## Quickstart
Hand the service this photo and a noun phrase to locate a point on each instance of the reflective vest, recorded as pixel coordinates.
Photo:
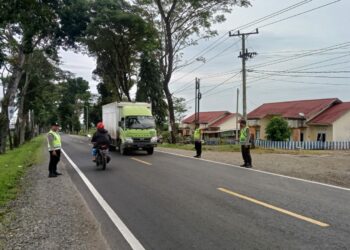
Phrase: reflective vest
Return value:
(244, 134)
(197, 134)
(56, 141)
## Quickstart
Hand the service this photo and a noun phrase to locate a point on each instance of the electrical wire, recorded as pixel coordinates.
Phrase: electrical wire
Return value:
(211, 47)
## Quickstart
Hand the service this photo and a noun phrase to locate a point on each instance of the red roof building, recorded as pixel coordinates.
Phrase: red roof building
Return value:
(293, 109)
(311, 120)
(213, 124)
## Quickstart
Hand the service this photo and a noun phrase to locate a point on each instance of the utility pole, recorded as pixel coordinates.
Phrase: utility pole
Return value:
(237, 114)
(244, 54)
(198, 97)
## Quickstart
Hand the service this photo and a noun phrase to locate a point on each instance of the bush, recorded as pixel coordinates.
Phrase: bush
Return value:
(277, 129)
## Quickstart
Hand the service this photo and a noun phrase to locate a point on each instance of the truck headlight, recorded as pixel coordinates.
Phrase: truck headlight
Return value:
(154, 139)
(129, 140)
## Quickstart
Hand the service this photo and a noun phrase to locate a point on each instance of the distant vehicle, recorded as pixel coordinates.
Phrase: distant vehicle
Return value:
(131, 126)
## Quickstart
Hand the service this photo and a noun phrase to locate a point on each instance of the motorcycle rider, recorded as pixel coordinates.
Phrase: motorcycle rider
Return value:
(100, 137)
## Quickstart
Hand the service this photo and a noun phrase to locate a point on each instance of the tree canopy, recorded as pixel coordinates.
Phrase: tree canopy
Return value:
(177, 21)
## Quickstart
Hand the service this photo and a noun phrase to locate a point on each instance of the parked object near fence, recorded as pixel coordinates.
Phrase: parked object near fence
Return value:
(306, 145)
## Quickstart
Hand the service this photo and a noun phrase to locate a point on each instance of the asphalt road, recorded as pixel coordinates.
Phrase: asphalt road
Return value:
(173, 202)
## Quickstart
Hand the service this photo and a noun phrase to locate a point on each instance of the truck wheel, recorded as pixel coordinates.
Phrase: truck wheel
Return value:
(150, 151)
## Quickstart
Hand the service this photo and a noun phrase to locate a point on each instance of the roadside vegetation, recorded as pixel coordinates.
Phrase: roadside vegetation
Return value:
(13, 165)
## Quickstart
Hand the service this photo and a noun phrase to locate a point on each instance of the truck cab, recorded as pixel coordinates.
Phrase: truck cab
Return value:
(131, 126)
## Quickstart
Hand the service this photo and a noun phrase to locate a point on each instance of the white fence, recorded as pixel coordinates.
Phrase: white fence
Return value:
(308, 145)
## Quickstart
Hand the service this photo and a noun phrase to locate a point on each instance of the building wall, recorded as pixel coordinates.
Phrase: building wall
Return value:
(263, 125)
(230, 124)
(341, 128)
(312, 131)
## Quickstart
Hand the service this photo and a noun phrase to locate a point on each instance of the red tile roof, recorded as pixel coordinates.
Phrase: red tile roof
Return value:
(206, 117)
(222, 120)
(292, 109)
(331, 114)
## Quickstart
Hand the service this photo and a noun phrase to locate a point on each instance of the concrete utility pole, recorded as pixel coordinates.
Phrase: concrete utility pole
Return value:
(244, 54)
(198, 97)
(237, 114)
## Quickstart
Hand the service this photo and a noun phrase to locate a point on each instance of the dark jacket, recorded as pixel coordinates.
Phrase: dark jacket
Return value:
(101, 137)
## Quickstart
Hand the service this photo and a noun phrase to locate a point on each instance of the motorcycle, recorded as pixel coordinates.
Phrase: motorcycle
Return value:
(102, 157)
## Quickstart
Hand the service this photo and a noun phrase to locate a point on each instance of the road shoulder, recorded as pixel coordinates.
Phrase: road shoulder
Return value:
(50, 214)
(330, 169)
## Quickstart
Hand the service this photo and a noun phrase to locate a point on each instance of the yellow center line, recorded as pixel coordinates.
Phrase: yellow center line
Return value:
(138, 160)
(281, 210)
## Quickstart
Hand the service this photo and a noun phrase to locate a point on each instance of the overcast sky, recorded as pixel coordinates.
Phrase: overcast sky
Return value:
(321, 28)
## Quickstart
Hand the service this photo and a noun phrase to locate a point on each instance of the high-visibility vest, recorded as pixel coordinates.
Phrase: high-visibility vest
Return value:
(197, 134)
(56, 141)
(244, 134)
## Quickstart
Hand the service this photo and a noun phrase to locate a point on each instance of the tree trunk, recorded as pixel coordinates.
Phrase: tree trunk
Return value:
(171, 113)
(9, 100)
(3, 129)
(21, 118)
(10, 139)
(167, 61)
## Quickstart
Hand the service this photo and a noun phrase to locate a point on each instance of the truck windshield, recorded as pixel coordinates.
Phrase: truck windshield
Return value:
(140, 122)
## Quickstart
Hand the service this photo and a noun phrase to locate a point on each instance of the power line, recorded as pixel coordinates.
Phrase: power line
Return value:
(216, 86)
(319, 51)
(301, 13)
(313, 76)
(261, 20)
(300, 72)
(274, 14)
(305, 82)
(303, 66)
(210, 59)
(252, 23)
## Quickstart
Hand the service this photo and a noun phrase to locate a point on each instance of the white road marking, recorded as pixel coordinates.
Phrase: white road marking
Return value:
(256, 170)
(127, 234)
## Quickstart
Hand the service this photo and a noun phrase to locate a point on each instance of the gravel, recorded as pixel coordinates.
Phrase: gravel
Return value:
(331, 167)
(50, 214)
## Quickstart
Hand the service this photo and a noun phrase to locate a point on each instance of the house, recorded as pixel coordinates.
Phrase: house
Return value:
(215, 124)
(309, 120)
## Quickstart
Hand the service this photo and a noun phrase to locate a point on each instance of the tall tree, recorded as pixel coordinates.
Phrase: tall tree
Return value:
(40, 72)
(31, 24)
(74, 94)
(116, 36)
(177, 21)
(149, 88)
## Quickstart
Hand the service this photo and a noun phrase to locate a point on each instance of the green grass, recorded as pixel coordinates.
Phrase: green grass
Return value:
(14, 164)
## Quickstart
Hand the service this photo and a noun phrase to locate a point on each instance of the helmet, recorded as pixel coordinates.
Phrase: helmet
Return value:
(100, 125)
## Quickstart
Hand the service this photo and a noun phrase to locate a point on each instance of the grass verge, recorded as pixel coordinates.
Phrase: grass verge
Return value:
(13, 165)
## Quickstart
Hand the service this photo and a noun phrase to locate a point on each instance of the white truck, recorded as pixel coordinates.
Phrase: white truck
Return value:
(131, 126)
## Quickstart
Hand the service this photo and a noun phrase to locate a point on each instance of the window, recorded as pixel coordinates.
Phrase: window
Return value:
(321, 137)
(301, 136)
(140, 122)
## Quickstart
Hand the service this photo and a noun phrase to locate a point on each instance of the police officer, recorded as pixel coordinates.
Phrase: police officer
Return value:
(54, 145)
(198, 142)
(245, 144)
